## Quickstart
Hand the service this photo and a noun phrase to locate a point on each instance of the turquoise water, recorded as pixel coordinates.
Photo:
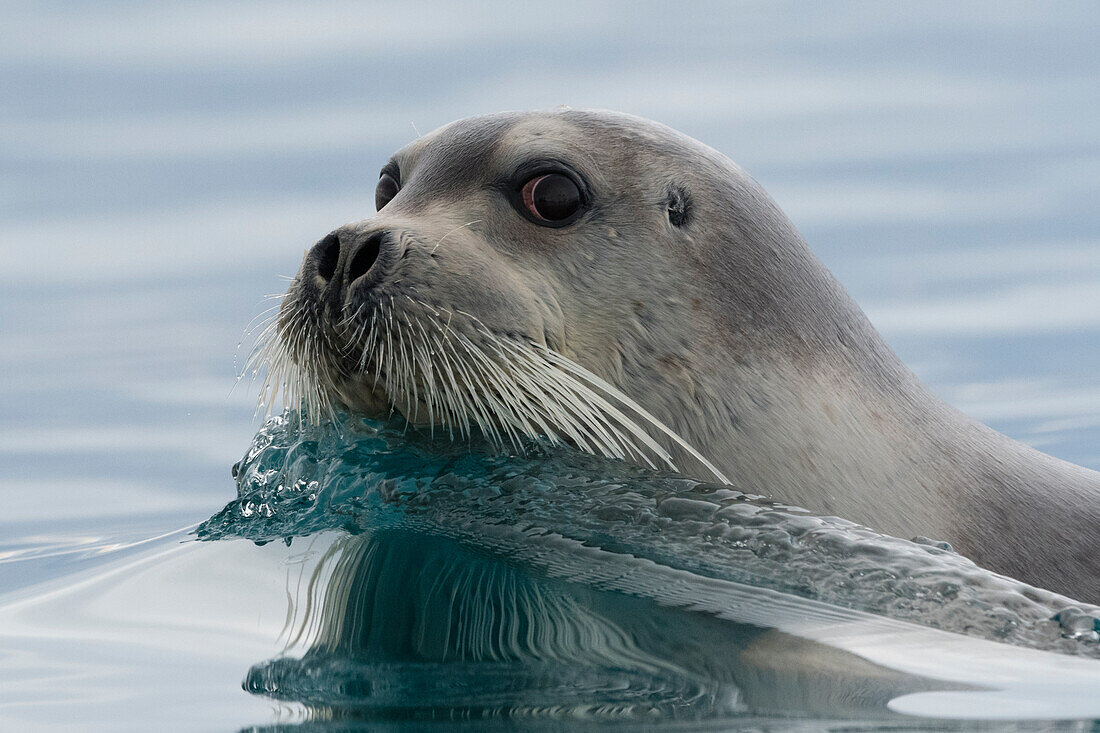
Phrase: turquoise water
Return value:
(561, 586)
(164, 163)
(367, 575)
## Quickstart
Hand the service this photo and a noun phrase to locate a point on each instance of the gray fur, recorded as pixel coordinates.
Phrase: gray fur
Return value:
(726, 328)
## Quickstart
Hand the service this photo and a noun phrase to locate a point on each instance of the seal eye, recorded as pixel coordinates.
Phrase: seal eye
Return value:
(386, 190)
(552, 198)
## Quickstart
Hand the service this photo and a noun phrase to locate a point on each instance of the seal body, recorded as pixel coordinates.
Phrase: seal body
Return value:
(524, 269)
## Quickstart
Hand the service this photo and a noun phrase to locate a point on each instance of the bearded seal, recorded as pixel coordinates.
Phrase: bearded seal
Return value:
(598, 279)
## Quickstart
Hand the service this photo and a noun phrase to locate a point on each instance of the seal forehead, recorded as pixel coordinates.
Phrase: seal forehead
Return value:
(478, 151)
(612, 145)
(545, 135)
(455, 154)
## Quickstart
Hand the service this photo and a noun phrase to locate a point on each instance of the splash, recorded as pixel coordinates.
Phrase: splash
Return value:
(357, 476)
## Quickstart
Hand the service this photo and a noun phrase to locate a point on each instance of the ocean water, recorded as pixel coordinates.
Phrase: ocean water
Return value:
(466, 584)
(163, 164)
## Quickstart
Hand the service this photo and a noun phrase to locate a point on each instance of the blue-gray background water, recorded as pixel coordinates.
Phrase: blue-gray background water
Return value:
(161, 164)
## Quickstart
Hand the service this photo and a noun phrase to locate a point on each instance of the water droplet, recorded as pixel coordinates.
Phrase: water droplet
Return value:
(938, 544)
(1076, 624)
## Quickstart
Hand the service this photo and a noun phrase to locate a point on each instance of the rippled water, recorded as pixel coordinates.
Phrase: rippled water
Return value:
(558, 584)
(163, 163)
(367, 575)
(357, 476)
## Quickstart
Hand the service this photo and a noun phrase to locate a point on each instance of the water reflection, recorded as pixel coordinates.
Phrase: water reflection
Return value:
(407, 625)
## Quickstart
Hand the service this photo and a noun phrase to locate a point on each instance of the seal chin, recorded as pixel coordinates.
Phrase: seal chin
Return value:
(364, 394)
(361, 394)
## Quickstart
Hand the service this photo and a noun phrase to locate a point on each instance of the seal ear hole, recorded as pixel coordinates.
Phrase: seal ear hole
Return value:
(679, 206)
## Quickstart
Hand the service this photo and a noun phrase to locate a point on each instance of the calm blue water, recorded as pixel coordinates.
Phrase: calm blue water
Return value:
(162, 164)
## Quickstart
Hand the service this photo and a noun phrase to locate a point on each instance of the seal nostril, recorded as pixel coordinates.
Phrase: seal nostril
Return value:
(364, 258)
(328, 253)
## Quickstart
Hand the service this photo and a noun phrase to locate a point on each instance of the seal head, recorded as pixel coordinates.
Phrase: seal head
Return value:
(602, 280)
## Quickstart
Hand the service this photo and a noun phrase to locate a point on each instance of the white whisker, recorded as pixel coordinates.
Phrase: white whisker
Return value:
(449, 365)
(469, 223)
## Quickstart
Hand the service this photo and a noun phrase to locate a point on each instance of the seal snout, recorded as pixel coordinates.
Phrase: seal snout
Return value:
(344, 258)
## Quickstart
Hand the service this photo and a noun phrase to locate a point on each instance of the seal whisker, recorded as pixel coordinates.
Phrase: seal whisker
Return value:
(409, 382)
(261, 317)
(507, 395)
(432, 388)
(477, 406)
(382, 351)
(611, 391)
(468, 369)
(512, 390)
(584, 425)
(351, 316)
(469, 223)
(346, 350)
(391, 373)
(452, 393)
(509, 389)
(562, 405)
(370, 345)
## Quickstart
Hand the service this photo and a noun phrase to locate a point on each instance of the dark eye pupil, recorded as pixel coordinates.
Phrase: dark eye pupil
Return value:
(555, 197)
(386, 190)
